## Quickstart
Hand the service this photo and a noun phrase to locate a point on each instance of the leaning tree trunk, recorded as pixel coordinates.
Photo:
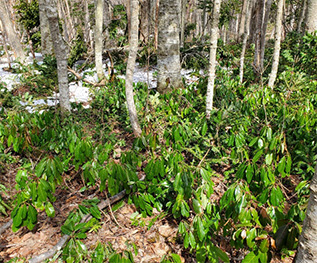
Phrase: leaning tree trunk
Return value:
(245, 37)
(60, 51)
(168, 54)
(98, 38)
(311, 20)
(46, 40)
(307, 248)
(10, 32)
(212, 58)
(134, 29)
(277, 44)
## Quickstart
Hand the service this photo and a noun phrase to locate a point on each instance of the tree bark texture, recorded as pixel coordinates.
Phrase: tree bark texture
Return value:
(134, 29)
(10, 32)
(277, 43)
(168, 54)
(266, 17)
(311, 21)
(212, 58)
(46, 40)
(60, 51)
(245, 37)
(98, 38)
(302, 16)
(243, 19)
(307, 248)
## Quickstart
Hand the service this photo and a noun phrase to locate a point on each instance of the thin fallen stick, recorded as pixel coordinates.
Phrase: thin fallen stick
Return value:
(5, 226)
(51, 252)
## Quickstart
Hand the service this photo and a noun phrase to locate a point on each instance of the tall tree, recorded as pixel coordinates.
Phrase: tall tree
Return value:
(46, 40)
(168, 53)
(307, 247)
(302, 16)
(277, 43)
(134, 29)
(311, 20)
(10, 32)
(60, 51)
(98, 38)
(243, 15)
(245, 36)
(212, 58)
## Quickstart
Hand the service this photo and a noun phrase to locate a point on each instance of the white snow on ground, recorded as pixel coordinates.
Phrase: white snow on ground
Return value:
(78, 92)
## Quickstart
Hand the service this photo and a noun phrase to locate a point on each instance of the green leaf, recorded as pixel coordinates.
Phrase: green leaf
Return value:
(264, 246)
(176, 258)
(32, 214)
(281, 165)
(221, 254)
(254, 140)
(269, 134)
(250, 258)
(276, 196)
(260, 143)
(204, 129)
(42, 195)
(257, 156)
(200, 229)
(196, 206)
(94, 210)
(269, 158)
(249, 173)
(49, 209)
(251, 235)
(192, 240)
(288, 164)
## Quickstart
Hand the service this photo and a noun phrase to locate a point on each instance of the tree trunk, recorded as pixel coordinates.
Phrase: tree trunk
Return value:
(311, 24)
(243, 19)
(245, 36)
(10, 32)
(60, 50)
(168, 54)
(264, 27)
(46, 40)
(302, 16)
(212, 58)
(98, 38)
(307, 248)
(277, 44)
(183, 22)
(134, 29)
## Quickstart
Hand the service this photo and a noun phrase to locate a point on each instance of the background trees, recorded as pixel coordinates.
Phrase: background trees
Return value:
(216, 162)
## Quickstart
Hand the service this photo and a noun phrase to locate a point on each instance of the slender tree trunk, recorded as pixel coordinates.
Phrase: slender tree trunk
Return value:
(212, 58)
(264, 27)
(182, 22)
(10, 32)
(311, 24)
(243, 19)
(302, 16)
(245, 36)
(168, 54)
(134, 29)
(46, 40)
(307, 248)
(98, 38)
(60, 50)
(277, 44)
(3, 37)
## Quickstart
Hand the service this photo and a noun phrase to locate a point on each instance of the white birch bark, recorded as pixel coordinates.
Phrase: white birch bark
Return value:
(10, 32)
(134, 29)
(46, 40)
(277, 43)
(307, 248)
(60, 51)
(245, 37)
(98, 38)
(212, 58)
(168, 54)
(311, 24)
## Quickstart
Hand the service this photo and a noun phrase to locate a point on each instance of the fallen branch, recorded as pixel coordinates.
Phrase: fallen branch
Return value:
(5, 226)
(99, 84)
(51, 252)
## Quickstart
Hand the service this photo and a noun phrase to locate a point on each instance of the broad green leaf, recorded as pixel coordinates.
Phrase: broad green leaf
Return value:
(276, 196)
(204, 129)
(221, 254)
(200, 229)
(196, 206)
(251, 235)
(269, 158)
(288, 164)
(94, 210)
(257, 156)
(49, 209)
(250, 258)
(32, 214)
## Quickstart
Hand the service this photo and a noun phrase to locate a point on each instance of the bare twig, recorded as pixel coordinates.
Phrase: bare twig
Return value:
(100, 84)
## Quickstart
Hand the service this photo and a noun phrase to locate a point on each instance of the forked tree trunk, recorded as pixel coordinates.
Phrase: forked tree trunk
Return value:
(245, 37)
(277, 44)
(307, 248)
(311, 21)
(46, 40)
(10, 32)
(60, 51)
(134, 29)
(168, 54)
(212, 58)
(98, 38)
